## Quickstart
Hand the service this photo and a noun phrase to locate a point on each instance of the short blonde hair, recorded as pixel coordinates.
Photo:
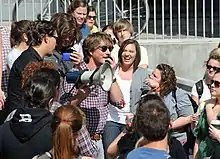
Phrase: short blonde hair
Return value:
(122, 24)
(215, 55)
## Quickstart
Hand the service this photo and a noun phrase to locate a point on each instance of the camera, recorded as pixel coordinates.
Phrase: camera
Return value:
(67, 53)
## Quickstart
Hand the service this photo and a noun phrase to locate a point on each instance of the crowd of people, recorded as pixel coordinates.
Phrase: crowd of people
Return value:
(143, 115)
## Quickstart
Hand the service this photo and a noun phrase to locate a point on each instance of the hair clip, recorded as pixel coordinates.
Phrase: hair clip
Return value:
(65, 121)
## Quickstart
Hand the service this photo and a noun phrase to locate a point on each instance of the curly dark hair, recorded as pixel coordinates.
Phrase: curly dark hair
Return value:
(37, 30)
(168, 79)
(67, 30)
(33, 67)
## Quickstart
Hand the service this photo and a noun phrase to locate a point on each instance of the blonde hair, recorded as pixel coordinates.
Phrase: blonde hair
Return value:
(66, 123)
(122, 24)
(214, 54)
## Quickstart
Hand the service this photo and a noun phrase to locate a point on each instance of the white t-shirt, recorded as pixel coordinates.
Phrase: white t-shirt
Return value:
(12, 56)
(115, 114)
(206, 95)
(144, 56)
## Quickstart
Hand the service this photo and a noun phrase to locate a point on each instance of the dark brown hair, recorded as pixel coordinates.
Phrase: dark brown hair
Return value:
(109, 26)
(168, 79)
(76, 4)
(92, 42)
(138, 52)
(67, 121)
(38, 30)
(91, 9)
(40, 82)
(67, 31)
(152, 118)
(18, 29)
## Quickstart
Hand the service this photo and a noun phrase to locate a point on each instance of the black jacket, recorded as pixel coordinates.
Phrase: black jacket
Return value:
(26, 135)
(15, 91)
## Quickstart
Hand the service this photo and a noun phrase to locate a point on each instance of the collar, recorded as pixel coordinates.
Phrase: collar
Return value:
(35, 53)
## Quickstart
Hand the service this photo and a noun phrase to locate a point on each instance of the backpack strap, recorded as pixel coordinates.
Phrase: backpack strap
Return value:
(199, 88)
(194, 105)
(174, 96)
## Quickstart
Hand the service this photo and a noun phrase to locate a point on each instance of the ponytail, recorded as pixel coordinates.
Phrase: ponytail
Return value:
(67, 121)
(63, 142)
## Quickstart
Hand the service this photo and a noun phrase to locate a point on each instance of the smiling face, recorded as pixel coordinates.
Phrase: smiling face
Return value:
(128, 55)
(80, 14)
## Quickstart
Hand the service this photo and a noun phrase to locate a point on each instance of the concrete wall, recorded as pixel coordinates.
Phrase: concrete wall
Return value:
(186, 57)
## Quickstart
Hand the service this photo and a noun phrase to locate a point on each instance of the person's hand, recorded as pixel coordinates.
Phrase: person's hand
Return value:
(76, 57)
(111, 61)
(214, 133)
(129, 121)
(152, 83)
(195, 117)
(2, 99)
(83, 91)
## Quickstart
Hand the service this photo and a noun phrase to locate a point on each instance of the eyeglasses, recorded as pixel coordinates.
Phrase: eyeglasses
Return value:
(209, 67)
(216, 83)
(91, 17)
(104, 48)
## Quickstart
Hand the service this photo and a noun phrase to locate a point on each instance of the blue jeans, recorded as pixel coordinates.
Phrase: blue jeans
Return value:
(111, 131)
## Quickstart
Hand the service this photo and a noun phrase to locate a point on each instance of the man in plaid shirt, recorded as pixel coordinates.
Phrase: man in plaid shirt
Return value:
(96, 49)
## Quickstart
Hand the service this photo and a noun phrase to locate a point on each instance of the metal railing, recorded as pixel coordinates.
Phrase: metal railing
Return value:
(153, 20)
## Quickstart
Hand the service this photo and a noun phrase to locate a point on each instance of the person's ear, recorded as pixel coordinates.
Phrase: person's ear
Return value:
(50, 102)
(25, 37)
(90, 53)
(171, 125)
(46, 39)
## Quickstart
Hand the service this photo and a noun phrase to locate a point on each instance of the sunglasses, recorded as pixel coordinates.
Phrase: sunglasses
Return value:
(104, 48)
(216, 83)
(91, 17)
(209, 67)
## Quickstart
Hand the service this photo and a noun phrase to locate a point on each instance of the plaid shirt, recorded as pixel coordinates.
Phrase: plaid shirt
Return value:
(94, 106)
(5, 29)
